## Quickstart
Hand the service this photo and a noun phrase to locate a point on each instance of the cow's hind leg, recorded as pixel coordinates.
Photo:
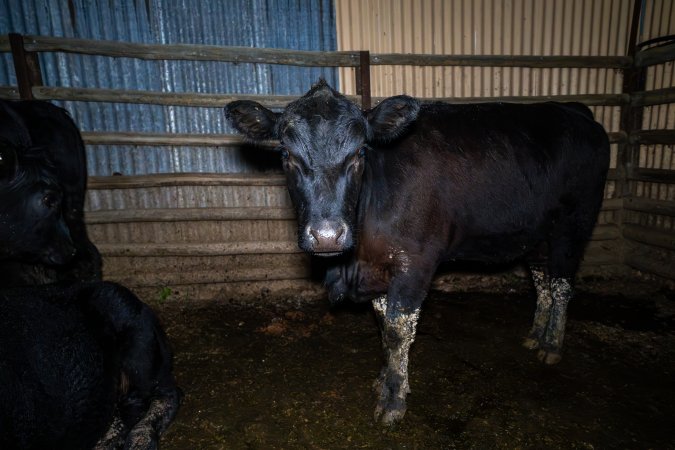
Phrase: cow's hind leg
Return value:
(566, 248)
(542, 313)
(551, 347)
(398, 325)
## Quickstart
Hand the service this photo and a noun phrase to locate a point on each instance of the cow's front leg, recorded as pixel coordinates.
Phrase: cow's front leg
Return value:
(398, 325)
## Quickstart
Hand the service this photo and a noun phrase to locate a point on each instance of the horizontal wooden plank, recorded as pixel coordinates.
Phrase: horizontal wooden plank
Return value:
(230, 275)
(187, 215)
(661, 207)
(652, 175)
(606, 233)
(192, 52)
(184, 179)
(194, 249)
(649, 137)
(399, 59)
(649, 265)
(253, 213)
(654, 97)
(166, 139)
(203, 139)
(651, 236)
(157, 98)
(587, 99)
(612, 204)
(9, 93)
(655, 55)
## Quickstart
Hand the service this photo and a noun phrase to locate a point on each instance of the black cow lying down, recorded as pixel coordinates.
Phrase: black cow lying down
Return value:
(43, 164)
(393, 192)
(82, 366)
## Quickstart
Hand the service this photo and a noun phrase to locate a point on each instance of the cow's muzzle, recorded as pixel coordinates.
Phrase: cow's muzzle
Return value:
(327, 238)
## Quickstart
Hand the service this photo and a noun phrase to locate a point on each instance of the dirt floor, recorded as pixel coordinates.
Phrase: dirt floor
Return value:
(300, 375)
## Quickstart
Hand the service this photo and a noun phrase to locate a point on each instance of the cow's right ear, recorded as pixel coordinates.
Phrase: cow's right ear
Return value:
(8, 162)
(252, 119)
(389, 119)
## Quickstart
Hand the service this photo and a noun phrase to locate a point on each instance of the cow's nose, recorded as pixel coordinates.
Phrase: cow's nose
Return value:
(327, 236)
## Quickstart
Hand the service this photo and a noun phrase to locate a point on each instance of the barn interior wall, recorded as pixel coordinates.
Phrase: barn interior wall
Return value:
(180, 238)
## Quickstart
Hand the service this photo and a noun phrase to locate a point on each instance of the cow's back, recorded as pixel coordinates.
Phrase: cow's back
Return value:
(472, 176)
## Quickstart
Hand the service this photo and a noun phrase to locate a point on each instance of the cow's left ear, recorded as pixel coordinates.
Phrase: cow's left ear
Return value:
(252, 119)
(8, 162)
(389, 119)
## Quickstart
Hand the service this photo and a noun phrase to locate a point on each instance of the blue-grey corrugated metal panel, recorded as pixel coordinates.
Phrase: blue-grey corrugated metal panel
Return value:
(294, 24)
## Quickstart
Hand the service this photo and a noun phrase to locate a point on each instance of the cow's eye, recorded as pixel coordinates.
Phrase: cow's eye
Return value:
(50, 200)
(362, 151)
(284, 153)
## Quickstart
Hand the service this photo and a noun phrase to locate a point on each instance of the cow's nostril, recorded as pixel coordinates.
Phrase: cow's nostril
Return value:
(340, 238)
(314, 235)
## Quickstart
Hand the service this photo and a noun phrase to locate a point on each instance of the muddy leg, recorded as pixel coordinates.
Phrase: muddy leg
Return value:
(542, 285)
(561, 292)
(398, 326)
(145, 434)
(114, 437)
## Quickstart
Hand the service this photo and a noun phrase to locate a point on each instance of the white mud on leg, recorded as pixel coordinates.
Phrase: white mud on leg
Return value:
(542, 313)
(114, 437)
(398, 334)
(144, 435)
(561, 293)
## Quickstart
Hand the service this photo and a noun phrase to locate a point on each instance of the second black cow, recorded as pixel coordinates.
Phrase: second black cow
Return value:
(43, 167)
(393, 192)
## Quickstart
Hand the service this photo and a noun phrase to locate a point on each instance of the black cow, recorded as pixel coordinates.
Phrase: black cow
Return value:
(42, 163)
(82, 365)
(401, 188)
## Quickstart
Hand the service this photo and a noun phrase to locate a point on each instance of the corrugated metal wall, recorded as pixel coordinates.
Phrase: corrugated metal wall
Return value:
(488, 27)
(254, 23)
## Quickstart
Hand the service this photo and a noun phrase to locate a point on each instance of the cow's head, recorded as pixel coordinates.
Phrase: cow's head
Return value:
(324, 143)
(32, 227)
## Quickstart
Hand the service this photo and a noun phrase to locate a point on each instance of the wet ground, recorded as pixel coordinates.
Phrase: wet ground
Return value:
(300, 376)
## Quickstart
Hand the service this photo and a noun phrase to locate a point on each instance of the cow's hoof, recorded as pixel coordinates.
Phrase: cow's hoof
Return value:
(530, 343)
(549, 357)
(389, 415)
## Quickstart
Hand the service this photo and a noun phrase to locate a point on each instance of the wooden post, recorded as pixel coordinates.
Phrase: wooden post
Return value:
(363, 79)
(26, 67)
(631, 119)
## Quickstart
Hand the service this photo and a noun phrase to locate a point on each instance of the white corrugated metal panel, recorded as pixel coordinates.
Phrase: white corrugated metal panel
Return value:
(485, 27)
(657, 19)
